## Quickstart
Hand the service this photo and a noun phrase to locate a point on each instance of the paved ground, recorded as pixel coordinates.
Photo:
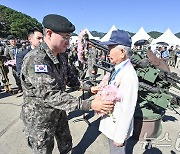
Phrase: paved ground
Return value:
(86, 139)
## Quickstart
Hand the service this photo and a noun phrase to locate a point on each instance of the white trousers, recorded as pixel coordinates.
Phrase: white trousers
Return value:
(116, 150)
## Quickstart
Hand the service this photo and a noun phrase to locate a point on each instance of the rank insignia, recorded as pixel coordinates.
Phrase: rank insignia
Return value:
(40, 68)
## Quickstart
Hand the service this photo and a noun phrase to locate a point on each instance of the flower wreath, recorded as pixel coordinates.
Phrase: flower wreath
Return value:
(108, 92)
(82, 45)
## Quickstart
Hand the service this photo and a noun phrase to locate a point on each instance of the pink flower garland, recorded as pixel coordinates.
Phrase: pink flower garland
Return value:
(108, 92)
(10, 63)
(82, 45)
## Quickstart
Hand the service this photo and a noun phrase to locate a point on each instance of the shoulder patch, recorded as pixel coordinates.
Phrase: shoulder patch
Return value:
(40, 68)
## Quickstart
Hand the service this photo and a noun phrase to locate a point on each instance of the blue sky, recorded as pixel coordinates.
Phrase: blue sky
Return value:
(100, 15)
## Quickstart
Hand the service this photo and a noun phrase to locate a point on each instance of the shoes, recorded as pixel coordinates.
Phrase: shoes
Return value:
(6, 88)
(20, 91)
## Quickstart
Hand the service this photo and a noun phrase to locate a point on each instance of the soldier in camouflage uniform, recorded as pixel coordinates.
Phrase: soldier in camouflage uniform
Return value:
(44, 76)
(91, 61)
(4, 70)
(11, 51)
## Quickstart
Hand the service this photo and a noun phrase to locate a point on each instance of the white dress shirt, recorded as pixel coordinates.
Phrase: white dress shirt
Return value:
(119, 125)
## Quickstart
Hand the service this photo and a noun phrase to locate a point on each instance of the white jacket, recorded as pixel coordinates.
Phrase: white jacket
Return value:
(119, 126)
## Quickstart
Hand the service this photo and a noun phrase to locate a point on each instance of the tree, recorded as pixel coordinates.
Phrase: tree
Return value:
(16, 23)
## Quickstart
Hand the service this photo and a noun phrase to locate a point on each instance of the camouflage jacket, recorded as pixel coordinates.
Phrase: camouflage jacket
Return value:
(44, 78)
(11, 51)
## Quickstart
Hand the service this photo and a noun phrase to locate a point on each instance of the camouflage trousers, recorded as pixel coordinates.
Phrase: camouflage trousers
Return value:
(4, 70)
(41, 130)
(92, 70)
(16, 77)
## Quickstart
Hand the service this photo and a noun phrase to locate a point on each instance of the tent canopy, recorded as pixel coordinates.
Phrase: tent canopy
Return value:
(140, 35)
(167, 37)
(108, 34)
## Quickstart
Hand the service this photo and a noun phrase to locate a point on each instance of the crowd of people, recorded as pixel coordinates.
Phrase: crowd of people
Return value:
(15, 49)
(12, 52)
(169, 54)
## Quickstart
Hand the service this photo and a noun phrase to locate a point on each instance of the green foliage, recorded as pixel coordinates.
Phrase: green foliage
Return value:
(132, 34)
(97, 34)
(155, 34)
(178, 35)
(16, 23)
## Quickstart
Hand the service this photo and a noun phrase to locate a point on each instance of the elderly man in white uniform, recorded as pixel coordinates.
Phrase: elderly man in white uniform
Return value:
(119, 126)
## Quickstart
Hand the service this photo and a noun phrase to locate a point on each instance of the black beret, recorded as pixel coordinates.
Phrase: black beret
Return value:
(58, 23)
(11, 37)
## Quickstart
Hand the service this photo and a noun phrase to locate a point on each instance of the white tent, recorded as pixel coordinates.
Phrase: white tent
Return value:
(108, 35)
(73, 39)
(140, 35)
(167, 37)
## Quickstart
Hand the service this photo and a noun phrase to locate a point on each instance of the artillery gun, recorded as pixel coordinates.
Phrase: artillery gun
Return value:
(154, 96)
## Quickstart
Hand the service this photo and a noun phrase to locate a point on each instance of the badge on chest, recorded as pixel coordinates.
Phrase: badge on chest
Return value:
(40, 68)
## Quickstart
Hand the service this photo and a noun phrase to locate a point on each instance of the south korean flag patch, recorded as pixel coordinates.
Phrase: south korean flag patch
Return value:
(40, 68)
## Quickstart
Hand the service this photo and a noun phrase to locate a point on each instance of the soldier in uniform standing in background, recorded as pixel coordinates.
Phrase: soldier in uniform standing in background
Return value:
(4, 70)
(11, 51)
(44, 76)
(91, 61)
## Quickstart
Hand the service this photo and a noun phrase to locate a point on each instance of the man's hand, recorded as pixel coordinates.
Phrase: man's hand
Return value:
(94, 89)
(85, 86)
(102, 106)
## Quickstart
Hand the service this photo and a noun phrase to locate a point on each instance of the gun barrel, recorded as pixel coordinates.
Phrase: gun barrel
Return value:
(101, 63)
(98, 45)
(174, 77)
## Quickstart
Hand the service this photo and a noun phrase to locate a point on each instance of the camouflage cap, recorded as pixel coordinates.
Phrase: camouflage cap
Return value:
(58, 23)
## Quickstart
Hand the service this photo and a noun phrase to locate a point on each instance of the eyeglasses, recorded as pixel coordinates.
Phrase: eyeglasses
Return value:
(65, 37)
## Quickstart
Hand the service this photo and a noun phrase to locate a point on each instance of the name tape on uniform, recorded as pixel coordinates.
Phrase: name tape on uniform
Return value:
(40, 68)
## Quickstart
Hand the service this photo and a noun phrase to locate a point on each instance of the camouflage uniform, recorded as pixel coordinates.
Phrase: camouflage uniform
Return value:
(91, 61)
(171, 61)
(10, 52)
(4, 69)
(73, 58)
(45, 100)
